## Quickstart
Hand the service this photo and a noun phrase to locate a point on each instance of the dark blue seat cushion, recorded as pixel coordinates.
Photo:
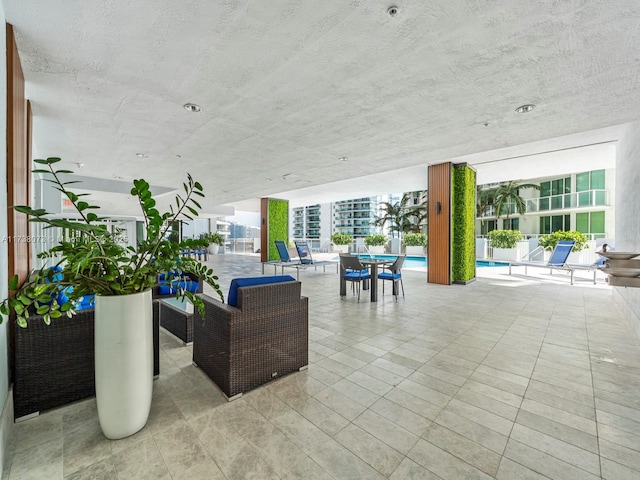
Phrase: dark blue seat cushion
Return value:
(189, 286)
(236, 283)
(355, 276)
(389, 276)
(86, 303)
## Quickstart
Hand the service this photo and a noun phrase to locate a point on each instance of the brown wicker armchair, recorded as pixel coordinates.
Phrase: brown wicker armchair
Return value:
(54, 364)
(265, 337)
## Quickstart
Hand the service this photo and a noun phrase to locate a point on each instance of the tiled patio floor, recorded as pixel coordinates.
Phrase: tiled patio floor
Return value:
(508, 378)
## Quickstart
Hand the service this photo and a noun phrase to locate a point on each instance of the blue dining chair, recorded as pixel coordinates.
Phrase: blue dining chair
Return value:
(353, 271)
(393, 273)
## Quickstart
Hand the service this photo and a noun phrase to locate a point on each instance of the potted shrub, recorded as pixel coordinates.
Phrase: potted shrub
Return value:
(414, 243)
(504, 244)
(92, 260)
(341, 242)
(549, 242)
(214, 241)
(375, 242)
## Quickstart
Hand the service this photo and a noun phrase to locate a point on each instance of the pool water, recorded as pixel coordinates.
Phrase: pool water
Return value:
(421, 262)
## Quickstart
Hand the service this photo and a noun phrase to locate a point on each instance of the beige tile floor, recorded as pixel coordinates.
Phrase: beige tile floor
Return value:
(508, 378)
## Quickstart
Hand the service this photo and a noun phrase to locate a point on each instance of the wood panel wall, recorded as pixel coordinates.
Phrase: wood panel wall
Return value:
(18, 161)
(439, 246)
(264, 230)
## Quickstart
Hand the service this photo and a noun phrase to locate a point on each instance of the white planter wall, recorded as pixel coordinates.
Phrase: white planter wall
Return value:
(513, 254)
(414, 250)
(123, 362)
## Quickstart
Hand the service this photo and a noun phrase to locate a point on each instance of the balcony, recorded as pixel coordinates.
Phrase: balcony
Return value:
(584, 199)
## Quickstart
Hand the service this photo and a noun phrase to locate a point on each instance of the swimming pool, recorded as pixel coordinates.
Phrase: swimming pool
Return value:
(421, 262)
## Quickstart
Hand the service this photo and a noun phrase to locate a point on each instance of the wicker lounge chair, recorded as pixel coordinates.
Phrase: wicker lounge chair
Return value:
(263, 337)
(54, 364)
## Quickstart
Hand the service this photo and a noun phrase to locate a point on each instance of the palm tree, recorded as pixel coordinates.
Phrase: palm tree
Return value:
(403, 216)
(485, 198)
(510, 193)
(391, 214)
(415, 216)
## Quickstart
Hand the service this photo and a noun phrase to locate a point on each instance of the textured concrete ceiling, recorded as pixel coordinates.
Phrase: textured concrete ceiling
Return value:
(289, 87)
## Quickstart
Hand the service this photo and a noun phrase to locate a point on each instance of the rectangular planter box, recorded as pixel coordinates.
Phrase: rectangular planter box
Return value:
(414, 250)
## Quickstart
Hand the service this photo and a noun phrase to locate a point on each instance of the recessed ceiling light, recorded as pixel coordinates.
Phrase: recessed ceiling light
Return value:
(142, 155)
(118, 177)
(343, 159)
(192, 107)
(393, 11)
(525, 108)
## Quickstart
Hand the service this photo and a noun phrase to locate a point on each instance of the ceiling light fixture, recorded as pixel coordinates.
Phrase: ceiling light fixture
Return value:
(142, 155)
(343, 159)
(525, 108)
(192, 107)
(393, 11)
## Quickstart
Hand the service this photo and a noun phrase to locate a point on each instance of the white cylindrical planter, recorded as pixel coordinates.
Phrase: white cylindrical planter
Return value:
(213, 248)
(376, 249)
(341, 248)
(124, 362)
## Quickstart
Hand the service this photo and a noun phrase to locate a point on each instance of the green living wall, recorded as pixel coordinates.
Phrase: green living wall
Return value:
(463, 243)
(278, 225)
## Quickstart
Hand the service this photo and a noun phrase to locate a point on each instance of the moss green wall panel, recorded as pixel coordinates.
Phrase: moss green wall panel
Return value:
(277, 224)
(463, 205)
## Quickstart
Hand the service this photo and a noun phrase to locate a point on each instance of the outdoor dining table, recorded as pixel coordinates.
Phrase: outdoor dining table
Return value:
(372, 264)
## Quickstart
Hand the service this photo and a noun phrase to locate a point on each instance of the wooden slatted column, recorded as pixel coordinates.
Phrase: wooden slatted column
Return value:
(439, 246)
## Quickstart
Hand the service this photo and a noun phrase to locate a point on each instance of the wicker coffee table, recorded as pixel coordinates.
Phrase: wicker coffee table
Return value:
(176, 316)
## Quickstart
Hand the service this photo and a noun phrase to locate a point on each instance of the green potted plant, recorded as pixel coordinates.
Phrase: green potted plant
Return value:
(549, 242)
(341, 242)
(214, 240)
(91, 259)
(504, 244)
(414, 243)
(376, 242)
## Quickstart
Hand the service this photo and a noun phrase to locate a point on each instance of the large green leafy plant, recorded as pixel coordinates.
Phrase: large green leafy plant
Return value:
(341, 239)
(375, 240)
(504, 238)
(92, 260)
(549, 242)
(415, 240)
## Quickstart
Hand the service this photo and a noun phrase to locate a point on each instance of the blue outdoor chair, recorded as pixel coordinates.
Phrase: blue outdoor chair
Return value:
(393, 273)
(353, 271)
(558, 260)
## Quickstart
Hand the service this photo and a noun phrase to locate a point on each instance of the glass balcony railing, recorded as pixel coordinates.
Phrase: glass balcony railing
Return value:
(587, 198)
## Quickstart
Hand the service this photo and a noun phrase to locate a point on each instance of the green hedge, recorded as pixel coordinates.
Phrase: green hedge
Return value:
(278, 225)
(415, 240)
(341, 239)
(548, 242)
(504, 238)
(375, 240)
(463, 244)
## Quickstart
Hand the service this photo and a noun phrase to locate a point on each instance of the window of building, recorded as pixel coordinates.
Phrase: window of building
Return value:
(487, 226)
(553, 223)
(591, 223)
(590, 188)
(555, 194)
(511, 224)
